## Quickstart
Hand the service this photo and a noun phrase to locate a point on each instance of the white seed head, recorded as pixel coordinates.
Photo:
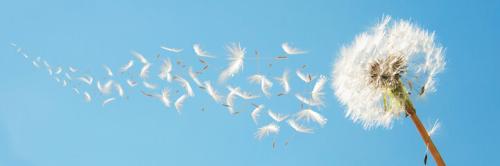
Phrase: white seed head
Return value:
(387, 56)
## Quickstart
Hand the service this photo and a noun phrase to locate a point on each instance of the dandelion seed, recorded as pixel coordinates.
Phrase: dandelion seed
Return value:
(276, 116)
(308, 115)
(180, 102)
(236, 56)
(265, 84)
(87, 96)
(174, 50)
(105, 88)
(166, 69)
(271, 128)
(107, 101)
(140, 57)
(200, 52)
(256, 112)
(299, 128)
(127, 66)
(291, 50)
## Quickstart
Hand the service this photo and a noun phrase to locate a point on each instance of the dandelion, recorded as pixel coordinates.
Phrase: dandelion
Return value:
(376, 75)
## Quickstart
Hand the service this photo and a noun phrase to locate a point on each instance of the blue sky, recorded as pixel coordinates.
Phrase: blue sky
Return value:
(44, 124)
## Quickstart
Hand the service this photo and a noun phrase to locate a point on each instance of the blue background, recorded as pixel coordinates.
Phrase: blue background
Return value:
(44, 124)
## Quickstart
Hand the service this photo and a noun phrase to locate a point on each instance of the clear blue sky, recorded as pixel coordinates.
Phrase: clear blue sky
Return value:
(44, 124)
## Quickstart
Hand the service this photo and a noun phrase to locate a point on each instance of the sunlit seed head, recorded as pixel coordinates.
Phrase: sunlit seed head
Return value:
(374, 75)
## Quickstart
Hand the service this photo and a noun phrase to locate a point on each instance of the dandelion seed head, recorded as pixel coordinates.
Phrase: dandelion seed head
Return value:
(389, 55)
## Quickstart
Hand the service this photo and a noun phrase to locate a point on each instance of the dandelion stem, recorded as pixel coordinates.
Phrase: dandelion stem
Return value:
(423, 132)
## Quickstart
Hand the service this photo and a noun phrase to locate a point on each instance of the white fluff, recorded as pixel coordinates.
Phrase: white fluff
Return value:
(307, 78)
(364, 102)
(140, 57)
(238, 92)
(119, 89)
(265, 84)
(106, 88)
(149, 85)
(72, 69)
(308, 101)
(256, 113)
(291, 50)
(76, 91)
(185, 84)
(179, 102)
(317, 92)
(174, 50)
(86, 79)
(87, 96)
(68, 76)
(194, 77)
(212, 92)
(236, 57)
(127, 66)
(271, 128)
(108, 71)
(49, 70)
(434, 128)
(35, 64)
(308, 115)
(230, 101)
(131, 83)
(64, 83)
(299, 128)
(165, 71)
(46, 64)
(165, 97)
(58, 70)
(145, 71)
(107, 101)
(276, 116)
(200, 52)
(283, 80)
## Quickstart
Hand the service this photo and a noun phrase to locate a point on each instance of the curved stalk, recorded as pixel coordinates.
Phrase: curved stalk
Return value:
(423, 132)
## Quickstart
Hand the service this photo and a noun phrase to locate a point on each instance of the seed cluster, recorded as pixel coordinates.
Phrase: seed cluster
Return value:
(386, 73)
